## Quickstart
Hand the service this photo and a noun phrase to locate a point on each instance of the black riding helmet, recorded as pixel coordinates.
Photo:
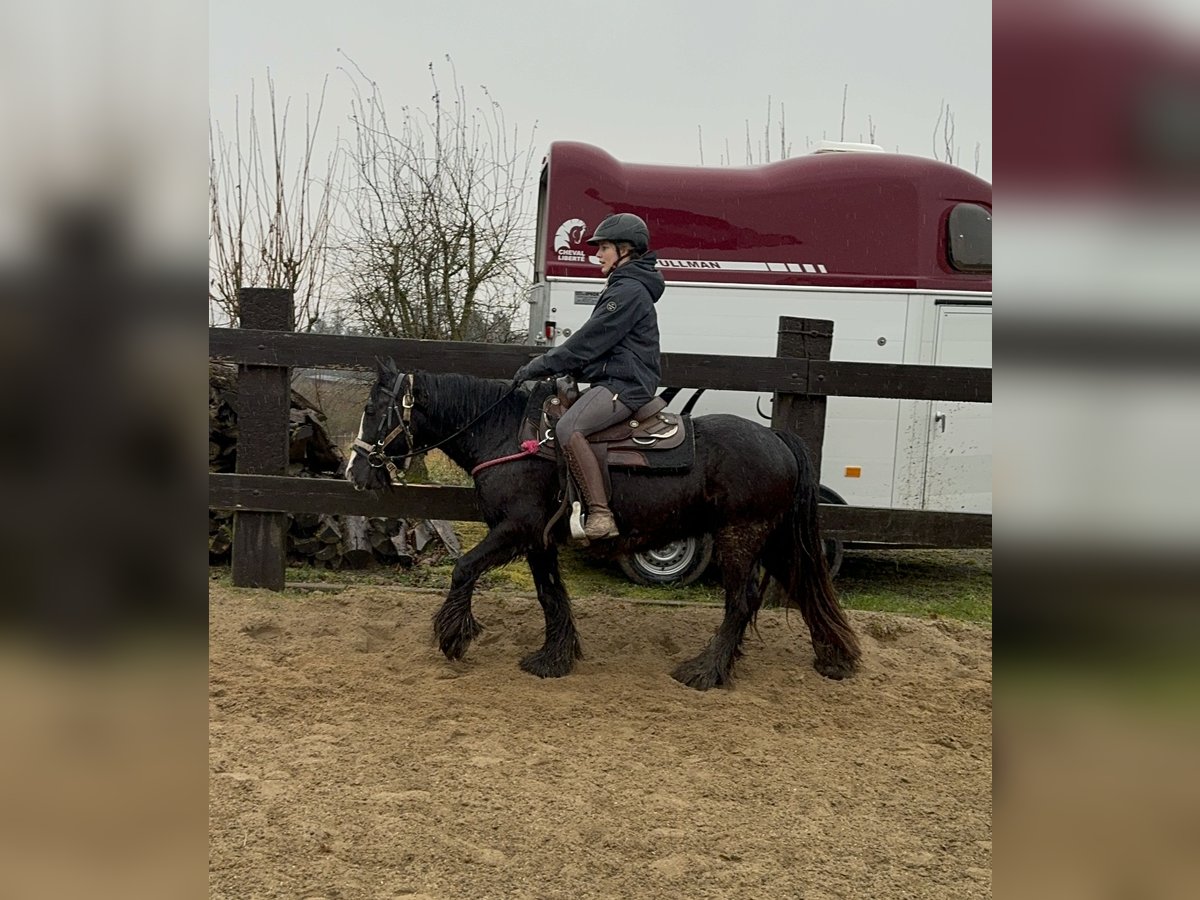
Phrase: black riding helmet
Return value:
(622, 227)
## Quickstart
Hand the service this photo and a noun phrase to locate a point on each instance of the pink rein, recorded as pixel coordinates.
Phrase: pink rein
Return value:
(528, 448)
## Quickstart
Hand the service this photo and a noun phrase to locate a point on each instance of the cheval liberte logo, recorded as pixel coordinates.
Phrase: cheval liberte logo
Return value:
(568, 241)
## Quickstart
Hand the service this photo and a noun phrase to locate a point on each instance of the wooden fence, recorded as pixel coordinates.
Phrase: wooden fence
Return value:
(801, 376)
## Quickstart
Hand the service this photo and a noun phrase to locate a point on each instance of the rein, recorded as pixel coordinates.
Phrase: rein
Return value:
(375, 452)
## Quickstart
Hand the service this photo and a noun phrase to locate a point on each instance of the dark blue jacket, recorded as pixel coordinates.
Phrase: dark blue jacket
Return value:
(618, 345)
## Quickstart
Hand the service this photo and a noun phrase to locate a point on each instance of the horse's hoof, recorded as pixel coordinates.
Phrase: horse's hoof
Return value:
(549, 664)
(833, 661)
(837, 668)
(454, 650)
(455, 641)
(699, 676)
(455, 646)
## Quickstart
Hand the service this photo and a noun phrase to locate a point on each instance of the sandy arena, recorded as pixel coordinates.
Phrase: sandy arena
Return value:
(349, 759)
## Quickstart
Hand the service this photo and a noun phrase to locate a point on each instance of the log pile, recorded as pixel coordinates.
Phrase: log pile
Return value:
(333, 542)
(310, 451)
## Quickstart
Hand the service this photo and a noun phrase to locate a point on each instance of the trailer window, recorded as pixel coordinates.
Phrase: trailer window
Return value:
(970, 233)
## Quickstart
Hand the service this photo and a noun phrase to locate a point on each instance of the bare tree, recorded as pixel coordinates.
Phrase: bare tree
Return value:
(945, 146)
(785, 149)
(760, 151)
(845, 94)
(944, 123)
(767, 131)
(438, 240)
(269, 224)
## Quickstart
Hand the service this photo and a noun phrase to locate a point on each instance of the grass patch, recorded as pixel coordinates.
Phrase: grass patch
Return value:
(955, 584)
(952, 584)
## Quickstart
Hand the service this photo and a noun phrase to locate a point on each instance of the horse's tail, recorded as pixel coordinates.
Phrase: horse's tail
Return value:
(795, 558)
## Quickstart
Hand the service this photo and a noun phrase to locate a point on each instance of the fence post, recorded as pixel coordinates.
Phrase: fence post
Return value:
(803, 413)
(264, 401)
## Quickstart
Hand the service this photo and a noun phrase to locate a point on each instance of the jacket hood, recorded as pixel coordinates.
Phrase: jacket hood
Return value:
(644, 271)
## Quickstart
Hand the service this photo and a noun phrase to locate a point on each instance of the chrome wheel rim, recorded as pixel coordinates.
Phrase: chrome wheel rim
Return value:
(668, 560)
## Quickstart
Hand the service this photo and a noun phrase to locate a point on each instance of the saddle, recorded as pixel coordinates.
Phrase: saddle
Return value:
(650, 439)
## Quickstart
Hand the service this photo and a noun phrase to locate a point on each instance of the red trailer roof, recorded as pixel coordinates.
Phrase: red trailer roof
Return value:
(855, 219)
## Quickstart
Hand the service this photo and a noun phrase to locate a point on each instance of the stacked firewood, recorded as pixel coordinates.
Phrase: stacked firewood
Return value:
(326, 540)
(222, 418)
(311, 452)
(356, 542)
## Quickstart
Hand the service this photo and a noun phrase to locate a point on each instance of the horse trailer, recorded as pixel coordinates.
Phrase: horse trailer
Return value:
(895, 250)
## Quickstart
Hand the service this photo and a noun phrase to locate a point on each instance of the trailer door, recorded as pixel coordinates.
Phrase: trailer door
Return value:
(958, 470)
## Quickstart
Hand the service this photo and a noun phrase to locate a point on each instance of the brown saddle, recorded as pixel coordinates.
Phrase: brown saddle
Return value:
(649, 430)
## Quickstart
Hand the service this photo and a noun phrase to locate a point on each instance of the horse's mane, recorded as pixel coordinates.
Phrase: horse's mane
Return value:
(457, 397)
(451, 400)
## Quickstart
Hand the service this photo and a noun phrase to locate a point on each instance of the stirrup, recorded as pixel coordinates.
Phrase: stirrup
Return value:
(577, 532)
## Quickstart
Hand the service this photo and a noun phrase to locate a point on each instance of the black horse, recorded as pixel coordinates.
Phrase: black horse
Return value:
(750, 486)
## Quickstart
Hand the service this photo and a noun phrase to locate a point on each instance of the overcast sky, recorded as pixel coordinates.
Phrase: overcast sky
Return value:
(637, 78)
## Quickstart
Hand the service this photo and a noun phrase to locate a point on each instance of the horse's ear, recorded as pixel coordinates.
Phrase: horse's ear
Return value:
(384, 366)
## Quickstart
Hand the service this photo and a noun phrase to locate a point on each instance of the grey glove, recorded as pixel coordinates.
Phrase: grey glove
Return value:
(521, 376)
(532, 369)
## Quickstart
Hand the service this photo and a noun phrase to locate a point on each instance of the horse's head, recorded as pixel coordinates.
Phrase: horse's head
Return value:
(385, 434)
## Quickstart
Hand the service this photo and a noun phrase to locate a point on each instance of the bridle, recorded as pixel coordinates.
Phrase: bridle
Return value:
(403, 416)
(400, 410)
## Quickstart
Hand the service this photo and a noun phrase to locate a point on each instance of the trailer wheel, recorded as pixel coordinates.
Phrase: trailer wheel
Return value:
(834, 552)
(677, 563)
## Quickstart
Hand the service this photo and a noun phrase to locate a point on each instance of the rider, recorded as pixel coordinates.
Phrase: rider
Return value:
(616, 351)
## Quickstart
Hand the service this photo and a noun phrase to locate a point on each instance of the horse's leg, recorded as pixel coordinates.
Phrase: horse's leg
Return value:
(738, 549)
(454, 625)
(561, 648)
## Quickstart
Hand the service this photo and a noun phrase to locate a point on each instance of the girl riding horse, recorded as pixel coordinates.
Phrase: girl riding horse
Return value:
(616, 351)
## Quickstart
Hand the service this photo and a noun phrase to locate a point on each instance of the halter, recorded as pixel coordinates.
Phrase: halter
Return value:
(375, 452)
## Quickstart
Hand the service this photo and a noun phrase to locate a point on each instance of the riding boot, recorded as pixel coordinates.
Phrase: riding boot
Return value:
(590, 479)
